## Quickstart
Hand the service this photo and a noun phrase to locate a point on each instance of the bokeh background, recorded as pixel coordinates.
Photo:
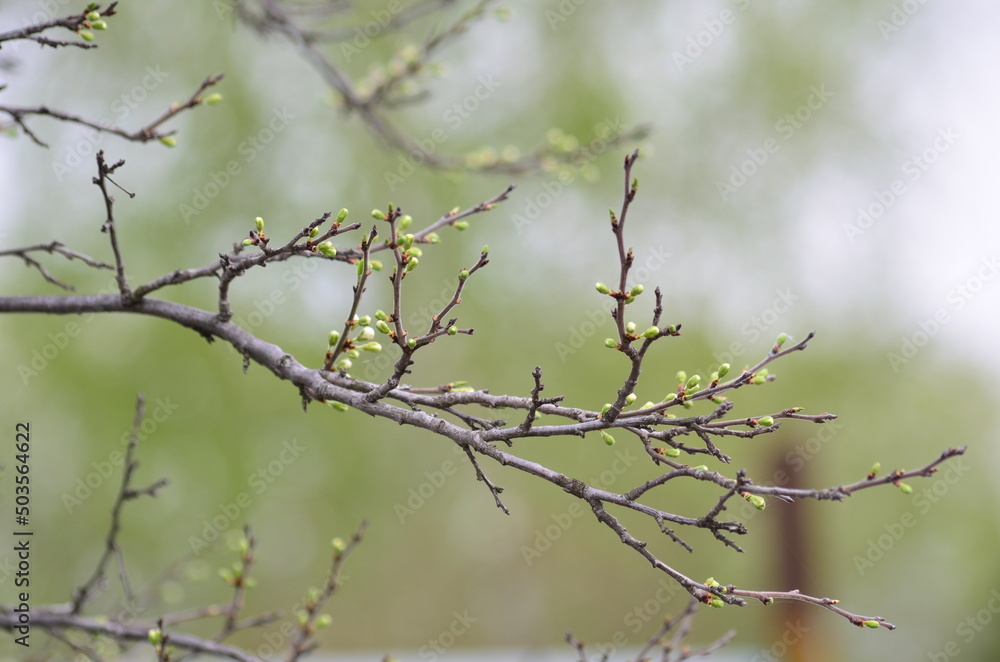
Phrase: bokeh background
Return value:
(872, 221)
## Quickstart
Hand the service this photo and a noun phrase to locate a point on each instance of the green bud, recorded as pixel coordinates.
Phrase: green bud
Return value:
(367, 333)
(766, 421)
(169, 141)
(711, 582)
(611, 342)
(717, 603)
(486, 249)
(313, 233)
(630, 398)
(758, 379)
(376, 265)
(380, 315)
(681, 376)
(155, 636)
(635, 182)
(411, 343)
(213, 99)
(605, 408)
(647, 405)
(672, 452)
(339, 406)
(602, 288)
(361, 267)
(875, 469)
(608, 439)
(99, 25)
(905, 489)
(412, 263)
(636, 291)
(353, 353)
(756, 500)
(405, 222)
(461, 226)
(259, 222)
(341, 215)
(872, 624)
(364, 320)
(325, 620)
(701, 467)
(372, 347)
(334, 338)
(407, 241)
(670, 397)
(94, 16)
(338, 545)
(89, 36)
(651, 332)
(693, 382)
(343, 363)
(723, 370)
(463, 274)
(415, 251)
(672, 330)
(630, 327)
(302, 617)
(781, 339)
(327, 248)
(452, 330)
(382, 326)
(248, 242)
(433, 238)
(687, 404)
(378, 214)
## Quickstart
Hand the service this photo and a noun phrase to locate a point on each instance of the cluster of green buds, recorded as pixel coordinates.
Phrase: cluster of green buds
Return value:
(714, 600)
(234, 576)
(759, 377)
(93, 22)
(256, 236)
(628, 297)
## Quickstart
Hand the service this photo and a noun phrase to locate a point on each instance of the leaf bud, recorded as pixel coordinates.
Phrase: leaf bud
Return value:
(766, 421)
(636, 291)
(608, 439)
(334, 338)
(378, 214)
(382, 326)
(342, 215)
(611, 342)
(723, 370)
(651, 332)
